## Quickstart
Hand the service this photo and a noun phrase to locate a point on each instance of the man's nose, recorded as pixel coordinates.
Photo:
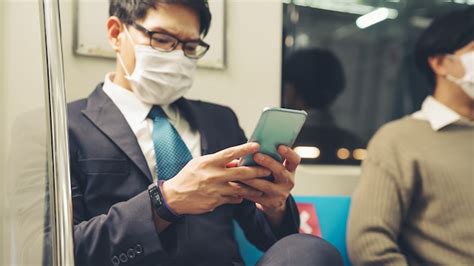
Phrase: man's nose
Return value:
(180, 46)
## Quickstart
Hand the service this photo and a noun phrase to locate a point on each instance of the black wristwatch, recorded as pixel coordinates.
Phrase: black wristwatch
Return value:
(160, 206)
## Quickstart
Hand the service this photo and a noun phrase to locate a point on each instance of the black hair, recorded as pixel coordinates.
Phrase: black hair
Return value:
(129, 11)
(445, 35)
(317, 76)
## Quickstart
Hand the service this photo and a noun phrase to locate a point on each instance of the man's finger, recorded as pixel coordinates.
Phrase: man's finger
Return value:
(232, 164)
(228, 155)
(256, 199)
(242, 190)
(242, 173)
(231, 200)
(292, 158)
(279, 171)
(262, 185)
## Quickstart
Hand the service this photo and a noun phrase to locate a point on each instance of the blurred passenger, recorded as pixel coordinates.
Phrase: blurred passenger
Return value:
(312, 80)
(414, 203)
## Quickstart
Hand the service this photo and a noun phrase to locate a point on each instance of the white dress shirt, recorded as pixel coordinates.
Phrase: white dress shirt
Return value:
(439, 115)
(136, 112)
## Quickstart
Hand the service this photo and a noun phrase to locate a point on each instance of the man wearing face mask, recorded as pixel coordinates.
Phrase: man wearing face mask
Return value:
(154, 175)
(414, 204)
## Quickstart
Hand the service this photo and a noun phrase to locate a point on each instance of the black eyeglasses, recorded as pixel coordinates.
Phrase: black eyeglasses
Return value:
(166, 43)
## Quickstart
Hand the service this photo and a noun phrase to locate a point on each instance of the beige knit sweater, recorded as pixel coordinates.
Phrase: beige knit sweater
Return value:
(414, 203)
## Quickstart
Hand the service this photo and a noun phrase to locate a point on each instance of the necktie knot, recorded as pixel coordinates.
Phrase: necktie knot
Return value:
(157, 112)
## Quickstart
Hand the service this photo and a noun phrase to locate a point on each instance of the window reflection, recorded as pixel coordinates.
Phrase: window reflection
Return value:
(24, 202)
(372, 41)
(313, 79)
(27, 229)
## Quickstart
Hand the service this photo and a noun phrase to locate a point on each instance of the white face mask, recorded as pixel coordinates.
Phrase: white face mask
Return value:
(159, 78)
(467, 81)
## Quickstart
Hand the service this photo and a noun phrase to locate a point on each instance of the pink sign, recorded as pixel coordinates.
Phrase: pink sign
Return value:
(309, 219)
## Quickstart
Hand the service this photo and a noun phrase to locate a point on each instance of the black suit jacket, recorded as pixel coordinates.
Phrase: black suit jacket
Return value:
(112, 210)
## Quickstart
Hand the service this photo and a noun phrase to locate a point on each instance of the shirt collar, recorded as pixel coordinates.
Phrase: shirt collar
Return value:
(439, 115)
(134, 110)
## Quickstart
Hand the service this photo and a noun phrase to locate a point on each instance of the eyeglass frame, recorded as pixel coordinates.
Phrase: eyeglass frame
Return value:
(178, 41)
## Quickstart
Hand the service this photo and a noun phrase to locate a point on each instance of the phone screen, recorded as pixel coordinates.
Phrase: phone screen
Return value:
(276, 126)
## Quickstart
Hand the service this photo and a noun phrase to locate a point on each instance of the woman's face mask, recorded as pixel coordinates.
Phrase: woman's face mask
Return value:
(467, 81)
(159, 78)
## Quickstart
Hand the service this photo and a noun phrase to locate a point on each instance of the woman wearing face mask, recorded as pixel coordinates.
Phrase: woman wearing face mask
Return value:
(414, 204)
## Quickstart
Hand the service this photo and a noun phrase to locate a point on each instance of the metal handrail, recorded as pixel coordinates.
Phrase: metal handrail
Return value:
(59, 180)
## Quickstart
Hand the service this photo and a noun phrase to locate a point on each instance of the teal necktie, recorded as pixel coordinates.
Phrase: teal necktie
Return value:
(171, 153)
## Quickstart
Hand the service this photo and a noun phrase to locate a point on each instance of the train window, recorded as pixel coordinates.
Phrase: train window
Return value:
(350, 64)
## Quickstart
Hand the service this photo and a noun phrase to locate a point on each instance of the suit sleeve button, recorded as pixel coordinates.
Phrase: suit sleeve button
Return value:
(138, 249)
(115, 261)
(123, 258)
(131, 253)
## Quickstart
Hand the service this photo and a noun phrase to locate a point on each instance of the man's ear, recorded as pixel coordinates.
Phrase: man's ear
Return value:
(438, 64)
(114, 28)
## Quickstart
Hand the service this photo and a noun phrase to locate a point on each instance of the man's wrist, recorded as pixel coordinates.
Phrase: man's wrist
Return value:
(170, 197)
(275, 216)
(288, 223)
(160, 205)
(166, 200)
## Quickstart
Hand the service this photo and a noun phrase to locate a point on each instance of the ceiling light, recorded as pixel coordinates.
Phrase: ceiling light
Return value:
(359, 154)
(376, 16)
(343, 154)
(308, 152)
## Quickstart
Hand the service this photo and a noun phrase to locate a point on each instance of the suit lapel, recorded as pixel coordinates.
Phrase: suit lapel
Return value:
(107, 117)
(197, 120)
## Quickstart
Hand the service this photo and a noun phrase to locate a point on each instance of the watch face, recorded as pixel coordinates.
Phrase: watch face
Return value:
(158, 199)
(155, 195)
(160, 206)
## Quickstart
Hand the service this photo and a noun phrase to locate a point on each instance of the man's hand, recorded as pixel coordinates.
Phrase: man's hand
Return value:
(273, 200)
(206, 183)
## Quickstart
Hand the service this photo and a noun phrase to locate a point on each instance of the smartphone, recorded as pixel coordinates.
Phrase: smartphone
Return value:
(276, 126)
